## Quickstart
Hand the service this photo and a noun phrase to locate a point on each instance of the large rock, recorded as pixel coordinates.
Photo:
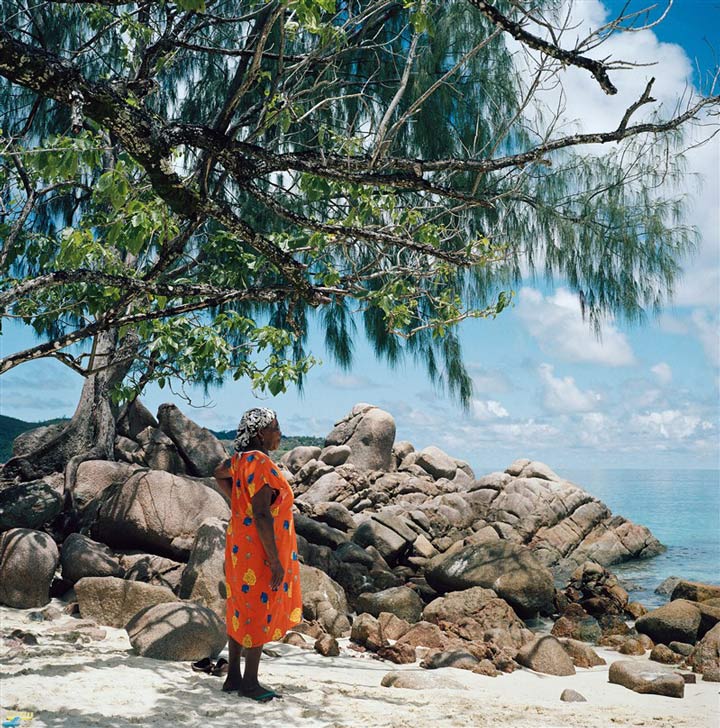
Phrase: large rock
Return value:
(546, 655)
(177, 631)
(159, 452)
(335, 455)
(478, 614)
(32, 440)
(315, 580)
(436, 463)
(95, 476)
(153, 569)
(114, 602)
(199, 448)
(28, 560)
(644, 677)
(157, 511)
(29, 505)
(317, 532)
(706, 654)
(203, 580)
(511, 570)
(676, 621)
(369, 432)
(299, 456)
(134, 418)
(401, 601)
(387, 540)
(328, 487)
(695, 591)
(581, 653)
(81, 556)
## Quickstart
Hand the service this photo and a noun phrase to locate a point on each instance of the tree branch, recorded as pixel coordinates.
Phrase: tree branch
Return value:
(570, 58)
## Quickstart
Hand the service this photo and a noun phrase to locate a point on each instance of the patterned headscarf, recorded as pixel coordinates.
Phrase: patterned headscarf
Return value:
(251, 423)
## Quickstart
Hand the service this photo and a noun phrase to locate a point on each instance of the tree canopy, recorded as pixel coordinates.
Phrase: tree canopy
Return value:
(195, 180)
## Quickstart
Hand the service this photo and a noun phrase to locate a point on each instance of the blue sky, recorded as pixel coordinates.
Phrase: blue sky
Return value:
(545, 388)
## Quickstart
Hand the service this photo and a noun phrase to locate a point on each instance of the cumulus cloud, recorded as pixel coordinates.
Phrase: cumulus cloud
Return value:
(488, 409)
(663, 372)
(556, 322)
(562, 395)
(670, 424)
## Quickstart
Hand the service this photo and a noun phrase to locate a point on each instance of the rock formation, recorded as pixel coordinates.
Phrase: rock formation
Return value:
(436, 563)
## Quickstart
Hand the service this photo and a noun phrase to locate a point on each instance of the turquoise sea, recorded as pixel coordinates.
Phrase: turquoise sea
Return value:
(680, 507)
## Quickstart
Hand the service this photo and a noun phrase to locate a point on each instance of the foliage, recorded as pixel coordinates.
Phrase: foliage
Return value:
(212, 177)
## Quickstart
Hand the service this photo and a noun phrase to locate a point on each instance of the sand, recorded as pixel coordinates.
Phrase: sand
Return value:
(100, 682)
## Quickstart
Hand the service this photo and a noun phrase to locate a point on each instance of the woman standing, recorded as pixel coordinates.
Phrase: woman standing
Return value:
(262, 572)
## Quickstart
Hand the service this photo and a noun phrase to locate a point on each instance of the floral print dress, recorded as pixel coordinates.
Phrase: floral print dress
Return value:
(255, 613)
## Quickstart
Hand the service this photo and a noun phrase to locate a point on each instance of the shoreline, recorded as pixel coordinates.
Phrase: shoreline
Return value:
(103, 684)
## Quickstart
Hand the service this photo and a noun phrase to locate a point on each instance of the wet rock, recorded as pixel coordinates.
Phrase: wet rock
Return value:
(667, 585)
(695, 591)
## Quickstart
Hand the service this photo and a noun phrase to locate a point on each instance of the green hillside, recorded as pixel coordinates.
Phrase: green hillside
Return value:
(10, 428)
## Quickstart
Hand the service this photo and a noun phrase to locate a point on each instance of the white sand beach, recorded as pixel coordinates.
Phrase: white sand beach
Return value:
(101, 683)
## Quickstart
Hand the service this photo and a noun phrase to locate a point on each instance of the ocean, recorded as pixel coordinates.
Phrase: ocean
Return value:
(680, 507)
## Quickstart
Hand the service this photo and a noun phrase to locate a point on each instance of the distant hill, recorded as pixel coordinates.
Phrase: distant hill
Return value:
(286, 443)
(10, 428)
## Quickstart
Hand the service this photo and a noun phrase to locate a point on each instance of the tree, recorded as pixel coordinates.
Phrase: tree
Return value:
(185, 183)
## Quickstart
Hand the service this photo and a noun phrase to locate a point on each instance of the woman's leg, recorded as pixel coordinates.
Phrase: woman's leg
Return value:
(233, 681)
(251, 688)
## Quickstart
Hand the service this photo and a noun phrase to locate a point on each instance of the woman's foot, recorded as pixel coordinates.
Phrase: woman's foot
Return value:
(232, 684)
(259, 693)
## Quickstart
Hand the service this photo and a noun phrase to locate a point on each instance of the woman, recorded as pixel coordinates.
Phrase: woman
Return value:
(262, 571)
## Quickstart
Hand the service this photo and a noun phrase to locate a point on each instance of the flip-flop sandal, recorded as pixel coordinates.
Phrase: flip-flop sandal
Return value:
(220, 668)
(264, 697)
(205, 665)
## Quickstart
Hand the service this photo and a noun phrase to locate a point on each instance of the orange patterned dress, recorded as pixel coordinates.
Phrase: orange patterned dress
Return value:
(255, 613)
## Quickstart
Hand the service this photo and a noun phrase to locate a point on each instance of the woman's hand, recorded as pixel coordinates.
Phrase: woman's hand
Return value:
(277, 574)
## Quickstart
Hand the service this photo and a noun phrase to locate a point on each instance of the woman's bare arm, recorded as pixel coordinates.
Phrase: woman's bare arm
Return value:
(223, 477)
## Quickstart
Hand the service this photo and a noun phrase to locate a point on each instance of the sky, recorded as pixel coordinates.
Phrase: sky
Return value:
(545, 387)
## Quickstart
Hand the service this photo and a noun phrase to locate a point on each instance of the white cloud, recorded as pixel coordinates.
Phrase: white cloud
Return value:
(557, 324)
(670, 424)
(663, 372)
(563, 395)
(488, 410)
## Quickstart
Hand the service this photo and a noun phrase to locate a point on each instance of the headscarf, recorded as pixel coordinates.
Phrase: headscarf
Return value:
(251, 423)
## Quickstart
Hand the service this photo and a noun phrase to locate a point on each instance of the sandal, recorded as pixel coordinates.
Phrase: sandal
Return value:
(265, 697)
(220, 668)
(205, 665)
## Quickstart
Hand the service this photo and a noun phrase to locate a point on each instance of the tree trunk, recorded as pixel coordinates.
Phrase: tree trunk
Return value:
(90, 434)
